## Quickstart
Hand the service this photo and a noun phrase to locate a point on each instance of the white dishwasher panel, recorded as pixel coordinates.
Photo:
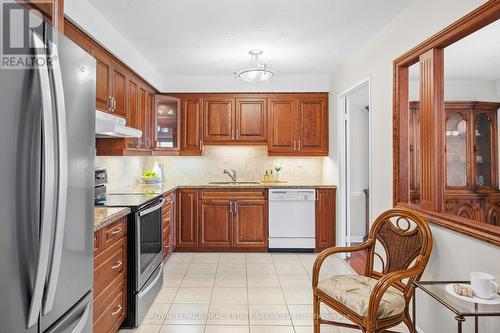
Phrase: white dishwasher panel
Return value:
(292, 219)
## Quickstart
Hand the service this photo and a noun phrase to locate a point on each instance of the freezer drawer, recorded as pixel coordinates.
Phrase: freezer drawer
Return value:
(77, 320)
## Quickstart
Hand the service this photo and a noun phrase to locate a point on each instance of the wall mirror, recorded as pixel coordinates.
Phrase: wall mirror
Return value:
(446, 119)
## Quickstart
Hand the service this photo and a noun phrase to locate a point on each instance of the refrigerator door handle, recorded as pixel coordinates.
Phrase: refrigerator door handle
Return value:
(62, 180)
(48, 180)
(83, 319)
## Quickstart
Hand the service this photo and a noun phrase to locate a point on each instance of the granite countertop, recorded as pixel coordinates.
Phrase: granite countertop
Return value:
(105, 216)
(169, 186)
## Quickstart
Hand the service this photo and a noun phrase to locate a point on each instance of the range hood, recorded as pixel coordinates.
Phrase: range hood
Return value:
(110, 126)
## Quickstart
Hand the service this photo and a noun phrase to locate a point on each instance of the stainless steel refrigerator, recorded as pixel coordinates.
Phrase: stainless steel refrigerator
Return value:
(47, 152)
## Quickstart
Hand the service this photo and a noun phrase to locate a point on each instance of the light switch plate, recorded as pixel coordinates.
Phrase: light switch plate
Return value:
(300, 163)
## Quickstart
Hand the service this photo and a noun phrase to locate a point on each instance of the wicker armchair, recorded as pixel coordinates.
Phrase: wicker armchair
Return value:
(378, 299)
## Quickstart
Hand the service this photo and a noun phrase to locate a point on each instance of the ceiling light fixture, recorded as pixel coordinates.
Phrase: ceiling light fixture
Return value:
(256, 71)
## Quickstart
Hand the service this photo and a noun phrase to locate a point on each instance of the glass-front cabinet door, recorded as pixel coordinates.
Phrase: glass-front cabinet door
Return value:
(167, 127)
(483, 150)
(456, 150)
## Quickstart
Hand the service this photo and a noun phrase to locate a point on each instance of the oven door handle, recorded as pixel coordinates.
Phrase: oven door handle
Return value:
(152, 209)
(153, 282)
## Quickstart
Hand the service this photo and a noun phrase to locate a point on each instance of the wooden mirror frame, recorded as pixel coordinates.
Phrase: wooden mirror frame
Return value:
(432, 113)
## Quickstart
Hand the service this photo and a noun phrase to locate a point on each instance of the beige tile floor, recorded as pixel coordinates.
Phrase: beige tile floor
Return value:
(238, 292)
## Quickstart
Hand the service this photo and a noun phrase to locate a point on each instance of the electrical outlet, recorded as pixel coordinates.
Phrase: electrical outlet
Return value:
(300, 163)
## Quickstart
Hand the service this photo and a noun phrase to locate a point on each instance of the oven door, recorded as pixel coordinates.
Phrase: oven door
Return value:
(149, 239)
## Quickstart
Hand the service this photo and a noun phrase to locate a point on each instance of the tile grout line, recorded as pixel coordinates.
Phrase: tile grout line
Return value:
(248, 295)
(212, 293)
(177, 291)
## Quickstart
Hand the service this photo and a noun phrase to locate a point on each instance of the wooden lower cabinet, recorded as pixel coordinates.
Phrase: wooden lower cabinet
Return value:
(325, 218)
(237, 220)
(110, 277)
(215, 223)
(169, 214)
(110, 307)
(233, 220)
(187, 222)
(250, 226)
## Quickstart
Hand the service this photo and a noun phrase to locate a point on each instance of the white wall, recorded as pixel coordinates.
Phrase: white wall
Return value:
(83, 14)
(454, 255)
(358, 151)
(484, 91)
(227, 83)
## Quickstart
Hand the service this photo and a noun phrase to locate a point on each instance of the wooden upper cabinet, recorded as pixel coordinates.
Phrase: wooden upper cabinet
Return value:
(103, 80)
(73, 33)
(282, 115)
(313, 125)
(250, 226)
(298, 125)
(218, 120)
(192, 126)
(119, 91)
(111, 84)
(251, 120)
(143, 117)
(166, 125)
(215, 223)
(133, 116)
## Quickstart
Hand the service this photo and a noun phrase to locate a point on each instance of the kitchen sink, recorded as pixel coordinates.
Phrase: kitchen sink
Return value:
(234, 183)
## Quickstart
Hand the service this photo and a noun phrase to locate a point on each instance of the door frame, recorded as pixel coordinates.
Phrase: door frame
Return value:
(344, 160)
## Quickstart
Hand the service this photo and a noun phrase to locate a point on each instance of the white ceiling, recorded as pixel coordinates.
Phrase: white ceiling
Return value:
(473, 58)
(203, 38)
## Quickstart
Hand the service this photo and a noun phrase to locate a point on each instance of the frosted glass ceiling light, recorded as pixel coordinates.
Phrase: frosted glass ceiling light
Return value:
(256, 71)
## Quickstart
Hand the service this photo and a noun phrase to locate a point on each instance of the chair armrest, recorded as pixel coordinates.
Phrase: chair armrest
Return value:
(332, 250)
(387, 281)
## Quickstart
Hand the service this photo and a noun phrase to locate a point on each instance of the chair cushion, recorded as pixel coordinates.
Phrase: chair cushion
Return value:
(353, 291)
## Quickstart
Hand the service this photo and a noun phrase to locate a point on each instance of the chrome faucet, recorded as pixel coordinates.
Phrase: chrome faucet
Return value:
(232, 176)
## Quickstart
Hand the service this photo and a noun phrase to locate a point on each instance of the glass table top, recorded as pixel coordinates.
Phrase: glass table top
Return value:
(436, 289)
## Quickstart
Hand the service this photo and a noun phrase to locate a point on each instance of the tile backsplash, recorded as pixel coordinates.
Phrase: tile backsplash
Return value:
(250, 164)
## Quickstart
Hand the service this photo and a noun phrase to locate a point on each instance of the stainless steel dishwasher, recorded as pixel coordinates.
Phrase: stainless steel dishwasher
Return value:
(292, 219)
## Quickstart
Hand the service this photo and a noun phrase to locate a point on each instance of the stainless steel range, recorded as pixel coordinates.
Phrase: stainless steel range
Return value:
(145, 251)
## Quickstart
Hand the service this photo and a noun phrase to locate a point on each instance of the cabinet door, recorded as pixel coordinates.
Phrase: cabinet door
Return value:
(218, 120)
(215, 222)
(251, 120)
(103, 80)
(143, 117)
(119, 90)
(325, 218)
(187, 221)
(166, 123)
(313, 126)
(282, 121)
(133, 112)
(191, 127)
(250, 227)
(485, 150)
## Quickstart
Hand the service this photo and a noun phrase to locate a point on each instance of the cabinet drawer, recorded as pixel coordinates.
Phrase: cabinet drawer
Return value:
(109, 264)
(115, 231)
(230, 194)
(110, 308)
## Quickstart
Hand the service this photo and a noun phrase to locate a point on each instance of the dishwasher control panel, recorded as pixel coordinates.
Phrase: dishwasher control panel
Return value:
(292, 195)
